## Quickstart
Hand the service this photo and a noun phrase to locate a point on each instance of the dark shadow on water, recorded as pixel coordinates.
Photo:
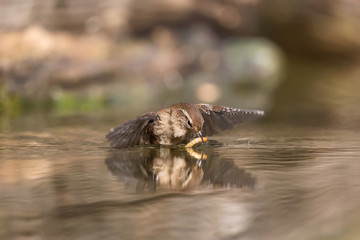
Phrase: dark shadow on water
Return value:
(152, 169)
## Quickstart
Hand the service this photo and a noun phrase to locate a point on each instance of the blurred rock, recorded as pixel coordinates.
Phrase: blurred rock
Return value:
(34, 60)
(253, 62)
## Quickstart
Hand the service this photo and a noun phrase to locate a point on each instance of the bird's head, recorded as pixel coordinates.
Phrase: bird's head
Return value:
(193, 120)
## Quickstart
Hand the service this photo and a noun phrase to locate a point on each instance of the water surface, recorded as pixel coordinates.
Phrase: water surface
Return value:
(259, 182)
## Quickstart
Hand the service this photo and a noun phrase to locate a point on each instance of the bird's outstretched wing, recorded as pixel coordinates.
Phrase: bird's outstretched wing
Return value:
(133, 132)
(219, 118)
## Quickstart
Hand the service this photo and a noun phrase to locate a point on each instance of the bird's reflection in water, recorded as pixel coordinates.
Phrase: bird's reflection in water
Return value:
(166, 168)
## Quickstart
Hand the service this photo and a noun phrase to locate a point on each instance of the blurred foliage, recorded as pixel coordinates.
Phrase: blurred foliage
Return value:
(9, 105)
(14, 105)
(65, 103)
(70, 103)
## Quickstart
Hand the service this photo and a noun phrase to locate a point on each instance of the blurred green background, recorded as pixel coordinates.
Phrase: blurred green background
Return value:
(298, 60)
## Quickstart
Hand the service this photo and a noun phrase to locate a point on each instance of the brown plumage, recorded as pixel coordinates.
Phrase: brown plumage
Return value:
(178, 123)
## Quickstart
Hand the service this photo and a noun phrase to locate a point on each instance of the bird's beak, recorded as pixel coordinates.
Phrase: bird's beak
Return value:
(200, 135)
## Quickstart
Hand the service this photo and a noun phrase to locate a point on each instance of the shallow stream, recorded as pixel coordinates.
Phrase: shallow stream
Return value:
(256, 182)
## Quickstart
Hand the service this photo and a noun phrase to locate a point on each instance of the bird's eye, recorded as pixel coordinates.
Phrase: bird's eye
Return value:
(189, 123)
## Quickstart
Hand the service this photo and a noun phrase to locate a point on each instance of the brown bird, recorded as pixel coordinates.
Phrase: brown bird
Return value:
(178, 123)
